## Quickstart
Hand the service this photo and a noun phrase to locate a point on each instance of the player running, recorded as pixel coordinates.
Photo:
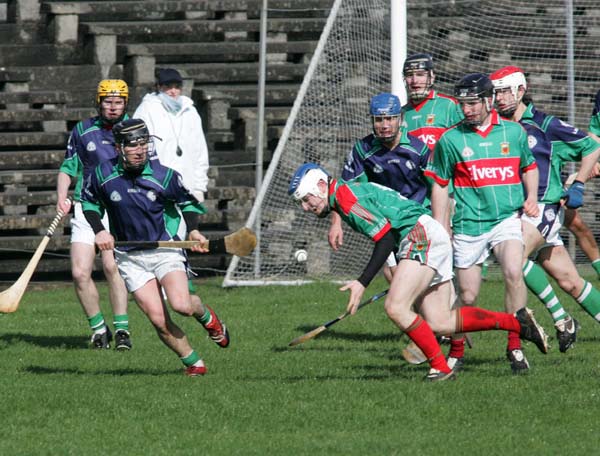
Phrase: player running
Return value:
(423, 276)
(553, 143)
(484, 157)
(142, 199)
(90, 143)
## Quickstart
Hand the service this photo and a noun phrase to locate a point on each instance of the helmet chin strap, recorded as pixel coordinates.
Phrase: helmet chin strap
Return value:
(327, 209)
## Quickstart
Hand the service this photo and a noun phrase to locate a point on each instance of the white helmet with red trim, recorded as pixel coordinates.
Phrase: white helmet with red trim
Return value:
(509, 77)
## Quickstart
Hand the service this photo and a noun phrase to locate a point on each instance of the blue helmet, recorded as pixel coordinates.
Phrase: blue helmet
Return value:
(305, 180)
(385, 104)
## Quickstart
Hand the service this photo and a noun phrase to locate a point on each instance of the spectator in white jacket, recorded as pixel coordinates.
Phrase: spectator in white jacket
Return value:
(173, 118)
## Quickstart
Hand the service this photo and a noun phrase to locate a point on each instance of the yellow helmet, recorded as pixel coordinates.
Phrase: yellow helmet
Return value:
(112, 88)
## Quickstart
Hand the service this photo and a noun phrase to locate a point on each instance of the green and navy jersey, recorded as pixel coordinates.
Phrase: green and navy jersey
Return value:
(400, 168)
(485, 168)
(429, 119)
(595, 119)
(373, 210)
(90, 143)
(553, 142)
(140, 207)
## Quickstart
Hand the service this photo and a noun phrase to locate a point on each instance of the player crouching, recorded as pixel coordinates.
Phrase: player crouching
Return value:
(422, 278)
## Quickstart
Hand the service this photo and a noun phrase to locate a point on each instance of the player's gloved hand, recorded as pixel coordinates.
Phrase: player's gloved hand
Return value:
(574, 195)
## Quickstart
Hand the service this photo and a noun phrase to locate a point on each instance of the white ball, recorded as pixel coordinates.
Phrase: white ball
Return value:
(301, 255)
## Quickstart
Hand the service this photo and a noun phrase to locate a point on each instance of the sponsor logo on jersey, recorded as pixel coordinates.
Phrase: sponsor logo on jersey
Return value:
(467, 152)
(504, 148)
(410, 165)
(115, 196)
(377, 169)
(430, 119)
(487, 172)
(151, 195)
(531, 141)
(106, 142)
(90, 147)
(429, 135)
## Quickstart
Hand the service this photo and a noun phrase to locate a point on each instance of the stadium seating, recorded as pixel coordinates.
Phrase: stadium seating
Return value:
(53, 53)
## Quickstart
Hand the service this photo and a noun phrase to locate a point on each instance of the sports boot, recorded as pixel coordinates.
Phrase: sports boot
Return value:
(518, 362)
(531, 330)
(566, 333)
(102, 340)
(122, 340)
(435, 375)
(217, 330)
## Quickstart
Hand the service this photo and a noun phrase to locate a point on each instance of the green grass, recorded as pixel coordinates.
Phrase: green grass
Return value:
(347, 392)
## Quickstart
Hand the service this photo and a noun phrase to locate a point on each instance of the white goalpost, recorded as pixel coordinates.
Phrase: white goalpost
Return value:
(553, 41)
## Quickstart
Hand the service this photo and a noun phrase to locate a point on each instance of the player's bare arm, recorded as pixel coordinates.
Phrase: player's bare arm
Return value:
(440, 204)
(336, 233)
(530, 181)
(63, 204)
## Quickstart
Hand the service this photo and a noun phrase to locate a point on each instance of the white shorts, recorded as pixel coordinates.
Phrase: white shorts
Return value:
(472, 250)
(548, 223)
(428, 242)
(138, 267)
(391, 260)
(81, 231)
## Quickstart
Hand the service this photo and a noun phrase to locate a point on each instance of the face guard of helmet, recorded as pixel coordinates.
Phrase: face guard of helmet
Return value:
(112, 96)
(472, 90)
(133, 141)
(418, 76)
(507, 81)
(305, 181)
(385, 112)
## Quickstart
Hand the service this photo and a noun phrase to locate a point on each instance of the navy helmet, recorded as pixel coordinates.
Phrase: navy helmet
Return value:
(421, 61)
(474, 85)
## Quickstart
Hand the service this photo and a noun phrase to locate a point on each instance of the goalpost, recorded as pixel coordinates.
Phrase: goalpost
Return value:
(553, 41)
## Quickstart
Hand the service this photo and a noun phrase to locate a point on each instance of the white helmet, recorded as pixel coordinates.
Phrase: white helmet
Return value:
(305, 181)
(509, 77)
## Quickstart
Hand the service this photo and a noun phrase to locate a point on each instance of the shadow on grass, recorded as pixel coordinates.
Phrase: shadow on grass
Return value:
(43, 370)
(78, 342)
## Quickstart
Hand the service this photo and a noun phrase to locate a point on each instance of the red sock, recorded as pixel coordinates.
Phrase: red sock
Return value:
(422, 335)
(514, 341)
(471, 319)
(457, 348)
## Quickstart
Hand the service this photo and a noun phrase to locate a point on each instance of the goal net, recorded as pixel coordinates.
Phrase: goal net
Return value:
(554, 42)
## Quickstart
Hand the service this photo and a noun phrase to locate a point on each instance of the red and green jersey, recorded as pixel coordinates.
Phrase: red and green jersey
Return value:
(429, 119)
(553, 143)
(485, 168)
(595, 120)
(373, 210)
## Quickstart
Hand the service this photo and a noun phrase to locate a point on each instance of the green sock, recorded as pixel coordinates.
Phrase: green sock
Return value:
(589, 299)
(538, 284)
(121, 322)
(596, 266)
(205, 319)
(97, 322)
(190, 359)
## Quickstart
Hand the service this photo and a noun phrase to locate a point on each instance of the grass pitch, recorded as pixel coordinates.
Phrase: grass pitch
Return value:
(346, 392)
